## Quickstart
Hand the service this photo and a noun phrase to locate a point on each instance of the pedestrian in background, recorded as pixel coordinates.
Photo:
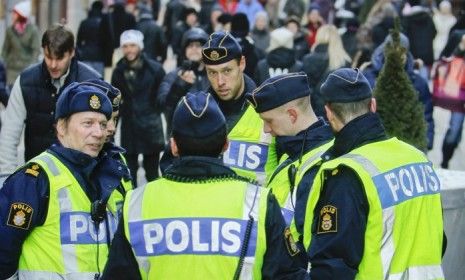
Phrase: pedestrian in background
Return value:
(239, 224)
(139, 78)
(21, 47)
(190, 76)
(90, 40)
(33, 97)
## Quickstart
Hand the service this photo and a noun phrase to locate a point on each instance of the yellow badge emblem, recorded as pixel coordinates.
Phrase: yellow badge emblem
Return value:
(94, 102)
(33, 170)
(214, 55)
(290, 243)
(20, 215)
(117, 100)
(328, 219)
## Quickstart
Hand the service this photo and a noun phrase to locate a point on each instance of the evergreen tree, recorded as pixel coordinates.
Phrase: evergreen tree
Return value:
(397, 100)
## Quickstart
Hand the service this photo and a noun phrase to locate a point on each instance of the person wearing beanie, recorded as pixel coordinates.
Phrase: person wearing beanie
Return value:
(207, 200)
(260, 33)
(62, 207)
(139, 78)
(189, 20)
(280, 58)
(283, 102)
(363, 218)
(21, 46)
(33, 98)
(189, 76)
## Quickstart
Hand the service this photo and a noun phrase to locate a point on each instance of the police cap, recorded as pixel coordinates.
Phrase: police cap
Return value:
(345, 85)
(221, 47)
(112, 93)
(197, 115)
(77, 98)
(279, 90)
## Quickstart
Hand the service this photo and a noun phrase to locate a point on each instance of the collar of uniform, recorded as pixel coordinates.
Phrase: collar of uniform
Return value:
(78, 160)
(316, 134)
(197, 168)
(362, 130)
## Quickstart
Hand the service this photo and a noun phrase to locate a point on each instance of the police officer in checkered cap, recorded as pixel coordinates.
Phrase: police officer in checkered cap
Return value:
(66, 197)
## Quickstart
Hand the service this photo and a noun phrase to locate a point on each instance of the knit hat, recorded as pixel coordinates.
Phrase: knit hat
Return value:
(345, 85)
(23, 9)
(197, 115)
(279, 90)
(111, 92)
(132, 36)
(281, 38)
(77, 97)
(221, 47)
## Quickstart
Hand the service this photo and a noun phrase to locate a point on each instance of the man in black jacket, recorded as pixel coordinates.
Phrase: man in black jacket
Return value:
(139, 78)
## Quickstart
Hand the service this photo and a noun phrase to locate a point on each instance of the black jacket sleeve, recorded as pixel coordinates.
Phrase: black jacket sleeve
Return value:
(278, 262)
(121, 264)
(337, 244)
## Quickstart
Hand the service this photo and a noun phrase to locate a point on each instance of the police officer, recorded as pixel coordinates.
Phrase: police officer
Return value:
(201, 220)
(251, 151)
(374, 210)
(283, 102)
(56, 223)
(110, 150)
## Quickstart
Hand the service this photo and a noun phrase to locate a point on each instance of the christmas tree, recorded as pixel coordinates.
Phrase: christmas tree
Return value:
(398, 105)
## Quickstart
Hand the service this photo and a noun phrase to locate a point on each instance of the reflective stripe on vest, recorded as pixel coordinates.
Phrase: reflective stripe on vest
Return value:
(64, 246)
(399, 182)
(281, 185)
(158, 238)
(251, 151)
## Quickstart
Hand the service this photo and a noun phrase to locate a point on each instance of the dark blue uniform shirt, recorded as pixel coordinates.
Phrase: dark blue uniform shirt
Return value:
(277, 264)
(30, 185)
(336, 254)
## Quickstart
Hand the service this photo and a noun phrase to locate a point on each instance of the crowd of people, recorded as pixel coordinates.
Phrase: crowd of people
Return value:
(273, 163)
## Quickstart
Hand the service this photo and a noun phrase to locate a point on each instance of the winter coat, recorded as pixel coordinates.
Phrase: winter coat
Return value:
(155, 44)
(278, 61)
(418, 82)
(419, 27)
(90, 38)
(20, 51)
(141, 126)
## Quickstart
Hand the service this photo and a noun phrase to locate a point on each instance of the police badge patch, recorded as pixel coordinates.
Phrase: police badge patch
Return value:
(94, 102)
(328, 219)
(290, 243)
(20, 215)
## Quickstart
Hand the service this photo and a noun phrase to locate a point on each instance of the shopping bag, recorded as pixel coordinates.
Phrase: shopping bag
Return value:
(449, 84)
